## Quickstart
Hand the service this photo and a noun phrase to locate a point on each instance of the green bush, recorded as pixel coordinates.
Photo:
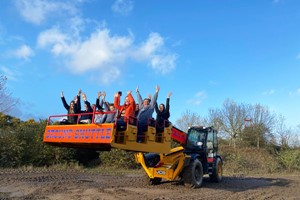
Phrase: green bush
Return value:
(290, 159)
(21, 144)
(10, 149)
(248, 161)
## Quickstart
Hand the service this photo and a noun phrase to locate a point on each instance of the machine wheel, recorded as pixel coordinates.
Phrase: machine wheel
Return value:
(151, 159)
(155, 181)
(217, 174)
(193, 174)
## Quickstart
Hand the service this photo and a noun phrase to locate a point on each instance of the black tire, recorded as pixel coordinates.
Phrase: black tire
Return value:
(151, 159)
(193, 174)
(217, 175)
(155, 181)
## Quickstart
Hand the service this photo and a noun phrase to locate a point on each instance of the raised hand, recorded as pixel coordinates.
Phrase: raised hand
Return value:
(157, 88)
(84, 96)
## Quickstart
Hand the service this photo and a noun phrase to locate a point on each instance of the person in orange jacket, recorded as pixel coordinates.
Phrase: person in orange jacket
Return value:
(127, 110)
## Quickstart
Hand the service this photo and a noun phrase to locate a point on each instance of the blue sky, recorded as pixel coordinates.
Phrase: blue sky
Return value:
(203, 51)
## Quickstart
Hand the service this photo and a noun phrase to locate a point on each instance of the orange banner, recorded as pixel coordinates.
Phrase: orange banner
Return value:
(79, 133)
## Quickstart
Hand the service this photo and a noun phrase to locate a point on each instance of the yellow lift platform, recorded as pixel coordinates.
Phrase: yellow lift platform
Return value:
(106, 136)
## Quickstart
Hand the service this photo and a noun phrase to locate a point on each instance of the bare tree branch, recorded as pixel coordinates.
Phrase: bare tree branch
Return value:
(188, 119)
(7, 102)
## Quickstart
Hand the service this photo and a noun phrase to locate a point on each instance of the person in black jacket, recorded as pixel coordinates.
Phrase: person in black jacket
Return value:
(73, 108)
(99, 102)
(162, 115)
(86, 114)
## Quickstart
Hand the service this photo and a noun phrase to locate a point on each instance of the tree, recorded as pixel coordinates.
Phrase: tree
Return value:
(189, 119)
(296, 141)
(282, 132)
(214, 119)
(229, 119)
(263, 123)
(7, 102)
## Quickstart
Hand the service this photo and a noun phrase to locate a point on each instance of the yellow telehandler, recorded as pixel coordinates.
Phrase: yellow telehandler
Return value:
(196, 153)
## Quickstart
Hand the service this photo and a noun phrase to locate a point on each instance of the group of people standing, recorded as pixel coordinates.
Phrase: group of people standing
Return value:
(139, 113)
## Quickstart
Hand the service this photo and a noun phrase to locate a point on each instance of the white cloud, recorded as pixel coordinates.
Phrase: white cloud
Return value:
(198, 98)
(154, 43)
(76, 25)
(56, 40)
(101, 50)
(36, 11)
(96, 52)
(153, 51)
(24, 52)
(123, 7)
(269, 93)
(294, 93)
(163, 63)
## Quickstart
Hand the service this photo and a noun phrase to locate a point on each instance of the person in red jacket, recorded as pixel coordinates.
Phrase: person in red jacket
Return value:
(127, 110)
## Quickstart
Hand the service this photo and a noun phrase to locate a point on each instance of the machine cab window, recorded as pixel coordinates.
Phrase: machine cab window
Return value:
(212, 141)
(196, 138)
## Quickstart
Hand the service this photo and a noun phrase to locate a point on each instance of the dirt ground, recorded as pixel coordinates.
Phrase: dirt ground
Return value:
(75, 184)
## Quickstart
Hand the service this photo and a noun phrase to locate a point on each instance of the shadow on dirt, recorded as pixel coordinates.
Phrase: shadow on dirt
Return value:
(238, 184)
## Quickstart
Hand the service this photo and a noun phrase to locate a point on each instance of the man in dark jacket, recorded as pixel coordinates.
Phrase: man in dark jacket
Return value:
(146, 109)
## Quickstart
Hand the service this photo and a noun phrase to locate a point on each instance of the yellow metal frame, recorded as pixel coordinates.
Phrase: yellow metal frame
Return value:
(168, 168)
(127, 140)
